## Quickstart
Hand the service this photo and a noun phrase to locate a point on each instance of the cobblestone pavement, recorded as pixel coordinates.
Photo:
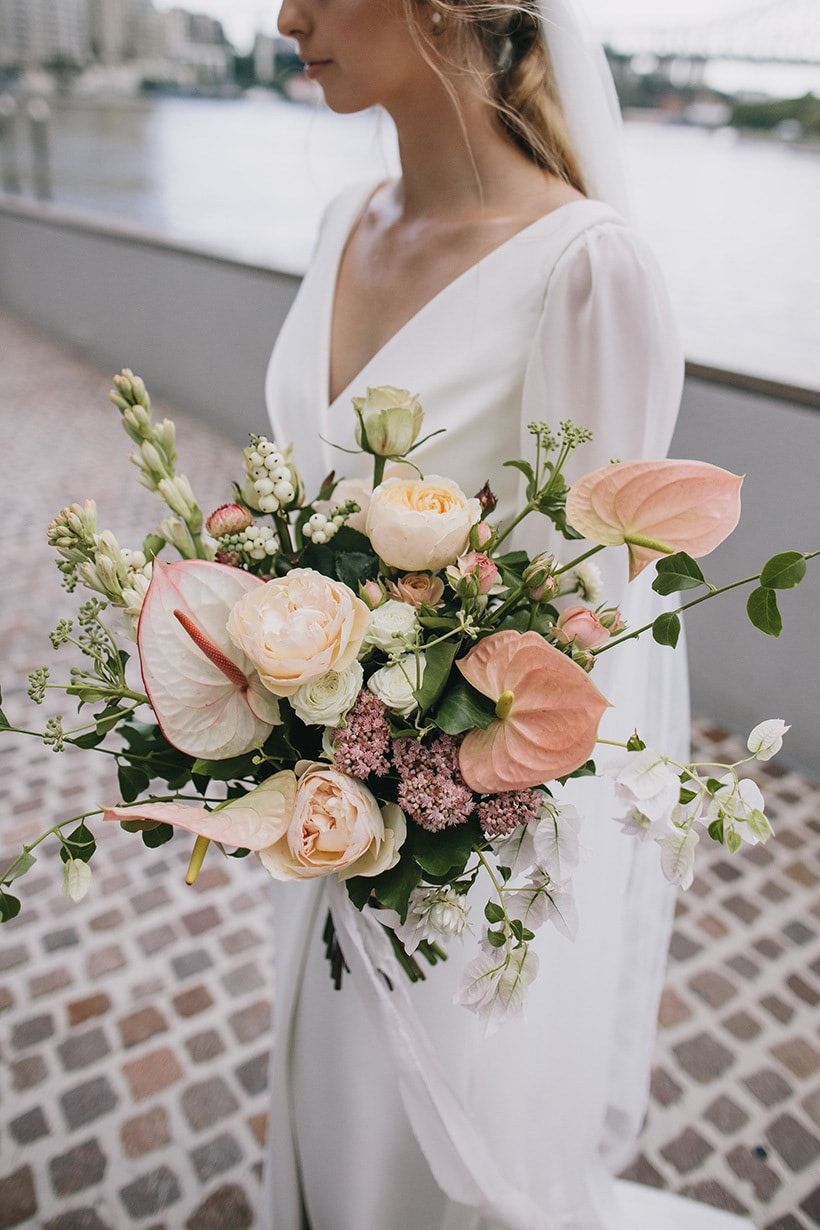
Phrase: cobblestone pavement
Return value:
(134, 1026)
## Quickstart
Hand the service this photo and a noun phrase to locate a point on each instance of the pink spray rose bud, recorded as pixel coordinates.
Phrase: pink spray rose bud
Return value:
(480, 568)
(539, 579)
(371, 593)
(417, 589)
(581, 628)
(611, 619)
(480, 535)
(228, 519)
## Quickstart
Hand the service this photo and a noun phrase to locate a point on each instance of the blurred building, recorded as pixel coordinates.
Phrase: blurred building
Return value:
(196, 48)
(264, 59)
(43, 32)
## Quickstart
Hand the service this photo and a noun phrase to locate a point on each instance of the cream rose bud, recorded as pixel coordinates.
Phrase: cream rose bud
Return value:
(298, 627)
(325, 701)
(337, 828)
(388, 420)
(393, 626)
(420, 524)
(394, 684)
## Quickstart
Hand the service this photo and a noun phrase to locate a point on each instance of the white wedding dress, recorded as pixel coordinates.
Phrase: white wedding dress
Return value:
(569, 318)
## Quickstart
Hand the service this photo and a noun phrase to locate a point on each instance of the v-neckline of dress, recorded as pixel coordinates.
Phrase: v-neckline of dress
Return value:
(337, 256)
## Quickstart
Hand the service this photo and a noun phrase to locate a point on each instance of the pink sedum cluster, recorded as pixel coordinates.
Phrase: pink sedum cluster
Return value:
(501, 814)
(362, 745)
(431, 788)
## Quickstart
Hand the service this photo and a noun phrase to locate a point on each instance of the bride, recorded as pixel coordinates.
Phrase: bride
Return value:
(499, 279)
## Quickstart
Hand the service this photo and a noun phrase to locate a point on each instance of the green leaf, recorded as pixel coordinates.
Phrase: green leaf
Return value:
(152, 544)
(224, 770)
(677, 572)
(528, 472)
(132, 782)
(9, 907)
(686, 796)
(439, 661)
(464, 709)
(764, 612)
(493, 912)
(79, 844)
(241, 852)
(517, 928)
(716, 830)
(734, 841)
(359, 889)
(713, 784)
(24, 863)
(92, 739)
(157, 836)
(496, 938)
(783, 571)
(444, 853)
(666, 629)
(393, 888)
(585, 770)
(108, 718)
(353, 567)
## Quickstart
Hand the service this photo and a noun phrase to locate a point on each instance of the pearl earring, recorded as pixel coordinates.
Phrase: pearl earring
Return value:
(436, 19)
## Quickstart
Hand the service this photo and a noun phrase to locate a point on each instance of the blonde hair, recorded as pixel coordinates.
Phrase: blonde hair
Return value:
(514, 73)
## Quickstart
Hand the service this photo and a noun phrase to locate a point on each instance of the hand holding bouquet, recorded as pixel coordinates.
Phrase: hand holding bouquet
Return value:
(384, 692)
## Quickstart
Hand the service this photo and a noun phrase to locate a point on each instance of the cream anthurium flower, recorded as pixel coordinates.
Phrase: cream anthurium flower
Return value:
(766, 739)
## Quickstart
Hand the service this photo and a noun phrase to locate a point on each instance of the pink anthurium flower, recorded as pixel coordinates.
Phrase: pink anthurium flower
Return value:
(548, 713)
(253, 822)
(656, 508)
(206, 694)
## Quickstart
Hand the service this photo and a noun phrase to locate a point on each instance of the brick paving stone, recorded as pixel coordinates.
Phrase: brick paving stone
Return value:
(703, 1057)
(785, 1223)
(88, 1101)
(216, 1156)
(243, 980)
(682, 947)
(240, 941)
(687, 1151)
(726, 1115)
(204, 1046)
(811, 1105)
(780, 1010)
(193, 1001)
(66, 937)
(227, 1206)
(190, 963)
(208, 1101)
(27, 1128)
(743, 966)
(673, 1009)
(151, 899)
(811, 1206)
(145, 1132)
(745, 910)
(18, 1201)
(47, 984)
(799, 987)
(28, 1072)
(798, 1055)
(152, 1192)
(106, 921)
(105, 961)
(768, 1086)
(14, 954)
(78, 1219)
(768, 948)
(796, 1144)
(773, 892)
(139, 1026)
(156, 939)
(30, 1032)
(642, 1171)
(199, 921)
(259, 1126)
(742, 1025)
(753, 1170)
(6, 999)
(253, 1075)
(81, 1050)
(84, 1009)
(799, 933)
(663, 1088)
(711, 1191)
(251, 1022)
(713, 988)
(79, 1168)
(152, 1072)
(725, 871)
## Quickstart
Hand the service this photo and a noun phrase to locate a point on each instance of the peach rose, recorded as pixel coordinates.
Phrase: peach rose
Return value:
(420, 524)
(360, 490)
(298, 627)
(336, 827)
(581, 627)
(418, 589)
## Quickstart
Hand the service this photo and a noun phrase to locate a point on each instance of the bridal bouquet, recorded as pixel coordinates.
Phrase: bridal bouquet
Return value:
(382, 693)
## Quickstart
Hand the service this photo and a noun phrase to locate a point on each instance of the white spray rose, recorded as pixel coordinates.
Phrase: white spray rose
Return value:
(432, 913)
(394, 684)
(325, 701)
(393, 626)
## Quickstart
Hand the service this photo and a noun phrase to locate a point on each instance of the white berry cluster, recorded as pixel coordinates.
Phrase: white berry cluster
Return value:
(273, 481)
(256, 542)
(321, 527)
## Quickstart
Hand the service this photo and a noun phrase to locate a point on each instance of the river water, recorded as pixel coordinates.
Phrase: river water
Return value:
(734, 220)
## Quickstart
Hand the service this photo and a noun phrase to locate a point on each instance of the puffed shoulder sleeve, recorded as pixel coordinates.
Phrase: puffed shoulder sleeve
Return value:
(607, 354)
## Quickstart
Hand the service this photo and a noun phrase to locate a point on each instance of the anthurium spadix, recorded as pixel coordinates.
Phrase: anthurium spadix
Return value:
(656, 508)
(207, 696)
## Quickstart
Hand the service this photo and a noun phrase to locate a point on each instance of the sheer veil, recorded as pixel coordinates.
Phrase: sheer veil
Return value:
(588, 100)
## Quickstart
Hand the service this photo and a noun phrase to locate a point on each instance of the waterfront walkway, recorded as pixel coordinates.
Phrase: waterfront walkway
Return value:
(134, 1026)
